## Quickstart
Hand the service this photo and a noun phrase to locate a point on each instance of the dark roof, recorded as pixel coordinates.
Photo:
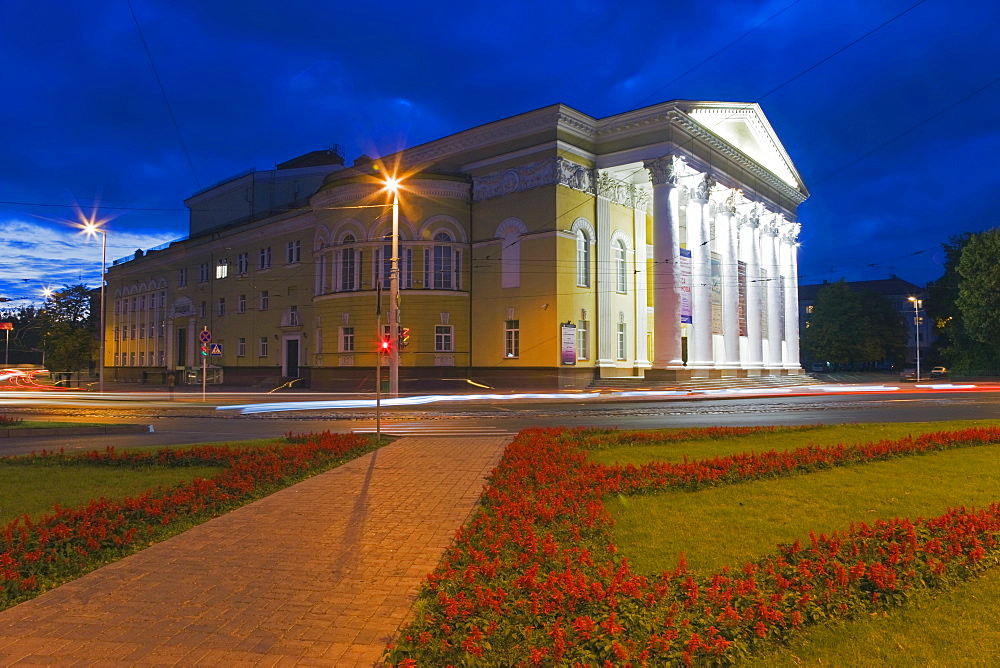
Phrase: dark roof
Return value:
(887, 287)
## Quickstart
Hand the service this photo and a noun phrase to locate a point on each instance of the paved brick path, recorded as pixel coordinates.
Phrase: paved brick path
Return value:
(319, 574)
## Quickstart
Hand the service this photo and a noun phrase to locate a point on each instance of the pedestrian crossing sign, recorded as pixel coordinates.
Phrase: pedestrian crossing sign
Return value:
(215, 349)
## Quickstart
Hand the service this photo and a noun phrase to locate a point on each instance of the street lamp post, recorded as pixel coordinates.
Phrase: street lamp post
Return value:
(91, 229)
(392, 185)
(916, 323)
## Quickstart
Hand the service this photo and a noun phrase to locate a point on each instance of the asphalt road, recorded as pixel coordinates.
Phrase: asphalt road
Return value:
(185, 422)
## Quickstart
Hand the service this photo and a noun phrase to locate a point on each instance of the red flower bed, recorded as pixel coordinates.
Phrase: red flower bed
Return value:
(535, 580)
(69, 541)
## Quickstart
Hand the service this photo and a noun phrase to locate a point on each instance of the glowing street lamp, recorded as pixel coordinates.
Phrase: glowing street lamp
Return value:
(916, 323)
(92, 229)
(392, 184)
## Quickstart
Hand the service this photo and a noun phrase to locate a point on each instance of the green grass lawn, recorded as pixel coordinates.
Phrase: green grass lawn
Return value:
(33, 489)
(823, 435)
(731, 524)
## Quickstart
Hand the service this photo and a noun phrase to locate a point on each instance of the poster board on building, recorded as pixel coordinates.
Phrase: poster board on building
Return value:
(715, 284)
(684, 285)
(741, 280)
(568, 347)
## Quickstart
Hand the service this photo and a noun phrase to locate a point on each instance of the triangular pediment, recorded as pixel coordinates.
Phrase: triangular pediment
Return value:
(744, 126)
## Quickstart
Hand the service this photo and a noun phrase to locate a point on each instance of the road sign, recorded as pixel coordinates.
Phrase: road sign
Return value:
(6, 325)
(215, 349)
(205, 336)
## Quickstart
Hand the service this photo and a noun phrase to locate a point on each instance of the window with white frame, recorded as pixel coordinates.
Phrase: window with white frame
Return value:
(262, 347)
(582, 259)
(443, 338)
(618, 253)
(512, 338)
(241, 304)
(443, 278)
(582, 339)
(347, 339)
(203, 272)
(222, 268)
(163, 357)
(621, 351)
(293, 252)
(265, 300)
(242, 263)
(348, 267)
(222, 306)
(264, 259)
(142, 358)
(182, 277)
(241, 347)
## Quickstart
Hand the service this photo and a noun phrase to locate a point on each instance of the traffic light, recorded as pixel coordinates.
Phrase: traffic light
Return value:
(404, 337)
(384, 345)
(204, 349)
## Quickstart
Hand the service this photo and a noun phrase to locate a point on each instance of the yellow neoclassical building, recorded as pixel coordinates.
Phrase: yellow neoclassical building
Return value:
(545, 250)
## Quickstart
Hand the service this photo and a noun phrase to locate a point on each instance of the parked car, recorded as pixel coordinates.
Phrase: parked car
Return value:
(818, 367)
(908, 374)
(939, 372)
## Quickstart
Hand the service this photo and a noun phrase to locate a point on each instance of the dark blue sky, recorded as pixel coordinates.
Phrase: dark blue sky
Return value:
(889, 134)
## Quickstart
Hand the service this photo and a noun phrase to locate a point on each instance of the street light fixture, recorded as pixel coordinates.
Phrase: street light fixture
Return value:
(92, 229)
(916, 323)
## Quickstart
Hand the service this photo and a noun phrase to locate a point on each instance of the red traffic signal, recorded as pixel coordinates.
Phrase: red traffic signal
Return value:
(384, 344)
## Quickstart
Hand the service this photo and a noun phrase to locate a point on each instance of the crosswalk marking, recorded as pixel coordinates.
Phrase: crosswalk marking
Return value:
(432, 429)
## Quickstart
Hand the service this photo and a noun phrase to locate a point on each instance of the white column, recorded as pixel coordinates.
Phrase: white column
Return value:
(775, 332)
(639, 283)
(700, 342)
(666, 262)
(725, 233)
(790, 265)
(750, 252)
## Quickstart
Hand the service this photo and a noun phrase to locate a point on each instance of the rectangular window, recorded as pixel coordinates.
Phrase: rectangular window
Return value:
(442, 338)
(142, 358)
(142, 303)
(203, 272)
(182, 277)
(163, 358)
(131, 359)
(347, 339)
(152, 330)
(348, 269)
(222, 268)
(203, 310)
(621, 348)
(142, 332)
(241, 347)
(133, 333)
(242, 263)
(582, 339)
(262, 349)
(264, 300)
(264, 261)
(293, 252)
(222, 306)
(241, 304)
(512, 339)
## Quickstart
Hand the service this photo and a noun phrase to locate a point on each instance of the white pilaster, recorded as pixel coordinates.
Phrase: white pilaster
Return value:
(639, 283)
(606, 330)
(666, 262)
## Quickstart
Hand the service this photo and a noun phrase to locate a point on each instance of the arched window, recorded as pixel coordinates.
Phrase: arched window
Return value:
(618, 251)
(348, 265)
(582, 259)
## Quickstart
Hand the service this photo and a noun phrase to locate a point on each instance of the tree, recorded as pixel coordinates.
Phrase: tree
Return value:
(26, 336)
(68, 334)
(959, 303)
(848, 326)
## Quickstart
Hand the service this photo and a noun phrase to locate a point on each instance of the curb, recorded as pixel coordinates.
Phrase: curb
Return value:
(79, 431)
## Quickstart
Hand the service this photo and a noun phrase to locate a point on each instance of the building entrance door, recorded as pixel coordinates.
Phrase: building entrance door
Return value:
(291, 358)
(182, 346)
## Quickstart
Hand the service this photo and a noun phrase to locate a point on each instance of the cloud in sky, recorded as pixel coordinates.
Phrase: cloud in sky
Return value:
(254, 83)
